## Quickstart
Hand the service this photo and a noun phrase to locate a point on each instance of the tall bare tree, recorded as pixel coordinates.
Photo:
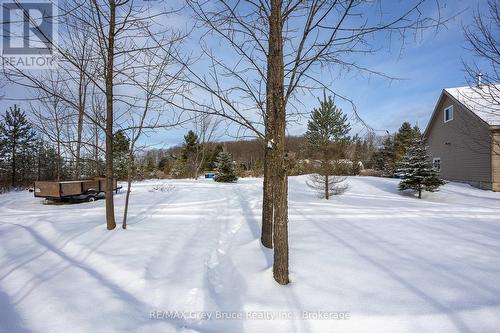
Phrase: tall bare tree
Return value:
(52, 117)
(157, 81)
(79, 48)
(206, 127)
(483, 41)
(121, 33)
(288, 45)
(483, 73)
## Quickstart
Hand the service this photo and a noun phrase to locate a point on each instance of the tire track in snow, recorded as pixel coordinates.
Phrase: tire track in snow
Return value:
(222, 276)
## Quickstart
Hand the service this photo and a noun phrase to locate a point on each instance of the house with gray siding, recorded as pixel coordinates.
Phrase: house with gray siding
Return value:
(463, 136)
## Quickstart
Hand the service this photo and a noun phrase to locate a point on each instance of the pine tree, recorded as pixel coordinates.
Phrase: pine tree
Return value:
(327, 136)
(225, 169)
(416, 170)
(327, 125)
(17, 139)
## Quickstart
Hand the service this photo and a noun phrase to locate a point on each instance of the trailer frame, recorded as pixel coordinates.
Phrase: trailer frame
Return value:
(73, 190)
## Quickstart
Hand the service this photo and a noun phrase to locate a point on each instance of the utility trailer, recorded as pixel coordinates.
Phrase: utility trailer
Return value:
(73, 190)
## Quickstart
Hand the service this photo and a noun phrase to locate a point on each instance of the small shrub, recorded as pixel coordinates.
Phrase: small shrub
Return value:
(162, 188)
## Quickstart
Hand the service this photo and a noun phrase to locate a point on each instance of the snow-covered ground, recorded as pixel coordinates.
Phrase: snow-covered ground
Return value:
(380, 260)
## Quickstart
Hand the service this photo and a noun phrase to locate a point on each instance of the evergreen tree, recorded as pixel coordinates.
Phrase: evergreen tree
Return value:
(327, 135)
(404, 139)
(416, 170)
(327, 125)
(225, 169)
(164, 164)
(389, 157)
(46, 161)
(211, 160)
(384, 160)
(17, 142)
(190, 145)
(121, 148)
(358, 149)
(190, 151)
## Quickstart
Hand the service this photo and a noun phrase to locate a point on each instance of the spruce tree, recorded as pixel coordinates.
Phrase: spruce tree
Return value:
(416, 171)
(121, 148)
(211, 160)
(17, 141)
(384, 159)
(388, 157)
(225, 169)
(404, 139)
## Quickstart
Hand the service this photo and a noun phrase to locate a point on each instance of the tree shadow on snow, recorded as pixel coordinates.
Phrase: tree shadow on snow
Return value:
(455, 319)
(135, 308)
(254, 225)
(10, 321)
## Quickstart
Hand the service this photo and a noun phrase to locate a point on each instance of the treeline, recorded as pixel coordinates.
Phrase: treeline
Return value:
(27, 154)
(24, 155)
(187, 161)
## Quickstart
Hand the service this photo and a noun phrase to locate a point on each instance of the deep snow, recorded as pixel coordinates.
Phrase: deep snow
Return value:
(384, 260)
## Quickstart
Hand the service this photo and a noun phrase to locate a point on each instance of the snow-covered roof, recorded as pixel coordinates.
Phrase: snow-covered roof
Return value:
(483, 101)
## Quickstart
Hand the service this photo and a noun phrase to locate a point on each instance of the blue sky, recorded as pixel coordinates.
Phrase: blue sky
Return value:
(426, 65)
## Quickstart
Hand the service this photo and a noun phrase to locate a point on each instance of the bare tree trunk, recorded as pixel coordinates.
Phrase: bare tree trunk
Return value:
(266, 236)
(58, 166)
(127, 197)
(81, 110)
(38, 167)
(280, 267)
(110, 207)
(327, 190)
(199, 164)
(129, 185)
(96, 152)
(276, 92)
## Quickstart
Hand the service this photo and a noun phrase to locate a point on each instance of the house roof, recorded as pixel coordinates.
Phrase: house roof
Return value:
(483, 101)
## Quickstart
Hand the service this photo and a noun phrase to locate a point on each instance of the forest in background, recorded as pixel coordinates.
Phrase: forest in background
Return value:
(27, 156)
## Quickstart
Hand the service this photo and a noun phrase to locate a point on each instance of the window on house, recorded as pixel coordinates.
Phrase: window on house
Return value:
(448, 114)
(436, 163)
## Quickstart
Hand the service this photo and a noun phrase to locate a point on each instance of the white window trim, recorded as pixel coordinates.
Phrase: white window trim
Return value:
(450, 107)
(434, 163)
